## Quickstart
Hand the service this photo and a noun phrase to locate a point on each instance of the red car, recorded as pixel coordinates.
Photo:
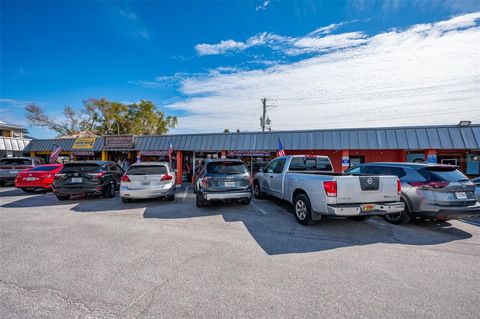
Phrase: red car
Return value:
(38, 177)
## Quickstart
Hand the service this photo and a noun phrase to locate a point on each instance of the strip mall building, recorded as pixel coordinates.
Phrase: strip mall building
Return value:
(452, 144)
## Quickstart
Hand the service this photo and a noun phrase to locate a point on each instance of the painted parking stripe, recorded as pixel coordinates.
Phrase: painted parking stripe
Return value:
(258, 207)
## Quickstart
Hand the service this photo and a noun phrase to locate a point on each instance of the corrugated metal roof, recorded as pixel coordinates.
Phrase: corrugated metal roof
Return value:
(394, 138)
(66, 144)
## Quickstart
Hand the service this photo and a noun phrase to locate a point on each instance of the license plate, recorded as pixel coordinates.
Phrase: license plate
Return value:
(146, 183)
(13, 172)
(229, 184)
(367, 207)
(30, 179)
(461, 195)
(76, 180)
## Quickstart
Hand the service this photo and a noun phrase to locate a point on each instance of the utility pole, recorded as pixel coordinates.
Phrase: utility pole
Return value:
(264, 120)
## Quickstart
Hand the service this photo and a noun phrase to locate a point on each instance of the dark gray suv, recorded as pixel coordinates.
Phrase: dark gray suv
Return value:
(222, 180)
(428, 190)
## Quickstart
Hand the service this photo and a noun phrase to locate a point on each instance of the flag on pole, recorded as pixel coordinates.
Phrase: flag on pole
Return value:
(281, 152)
(170, 153)
(54, 155)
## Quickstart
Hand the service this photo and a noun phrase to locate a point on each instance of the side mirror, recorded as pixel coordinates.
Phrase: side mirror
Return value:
(261, 169)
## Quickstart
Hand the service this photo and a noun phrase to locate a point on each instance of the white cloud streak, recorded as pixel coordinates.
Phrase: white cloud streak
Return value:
(427, 74)
(263, 6)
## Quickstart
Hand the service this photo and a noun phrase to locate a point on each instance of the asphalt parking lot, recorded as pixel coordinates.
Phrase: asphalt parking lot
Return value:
(94, 257)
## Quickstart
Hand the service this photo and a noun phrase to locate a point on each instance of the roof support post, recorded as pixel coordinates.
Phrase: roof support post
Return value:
(104, 155)
(32, 154)
(179, 168)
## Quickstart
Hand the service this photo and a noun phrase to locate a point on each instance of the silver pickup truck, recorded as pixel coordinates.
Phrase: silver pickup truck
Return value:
(309, 183)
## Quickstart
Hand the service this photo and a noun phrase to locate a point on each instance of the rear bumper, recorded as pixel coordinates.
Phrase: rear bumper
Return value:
(356, 209)
(33, 185)
(227, 195)
(97, 190)
(445, 213)
(146, 192)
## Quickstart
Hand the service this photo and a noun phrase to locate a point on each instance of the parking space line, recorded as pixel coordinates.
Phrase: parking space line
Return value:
(184, 195)
(258, 207)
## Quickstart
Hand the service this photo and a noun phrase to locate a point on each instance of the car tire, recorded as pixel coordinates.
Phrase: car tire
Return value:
(403, 217)
(360, 218)
(200, 201)
(126, 200)
(170, 198)
(246, 201)
(302, 209)
(257, 191)
(109, 191)
(63, 197)
(28, 189)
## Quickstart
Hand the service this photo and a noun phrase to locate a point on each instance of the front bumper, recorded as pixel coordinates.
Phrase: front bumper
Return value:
(146, 192)
(374, 209)
(227, 195)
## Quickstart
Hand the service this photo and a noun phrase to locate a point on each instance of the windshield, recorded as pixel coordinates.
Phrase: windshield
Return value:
(15, 161)
(147, 170)
(310, 164)
(80, 168)
(442, 174)
(226, 168)
(44, 168)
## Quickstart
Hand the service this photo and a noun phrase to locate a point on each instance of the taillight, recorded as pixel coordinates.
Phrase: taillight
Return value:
(204, 181)
(250, 180)
(166, 177)
(399, 187)
(125, 179)
(330, 188)
(429, 184)
(96, 175)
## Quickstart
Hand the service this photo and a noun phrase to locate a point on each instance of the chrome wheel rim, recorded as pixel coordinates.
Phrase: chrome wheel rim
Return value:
(394, 216)
(301, 209)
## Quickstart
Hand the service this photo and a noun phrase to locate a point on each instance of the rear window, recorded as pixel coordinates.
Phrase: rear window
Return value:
(147, 170)
(226, 168)
(80, 168)
(310, 164)
(15, 161)
(442, 174)
(43, 168)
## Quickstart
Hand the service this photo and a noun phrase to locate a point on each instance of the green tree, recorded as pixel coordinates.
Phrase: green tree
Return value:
(104, 117)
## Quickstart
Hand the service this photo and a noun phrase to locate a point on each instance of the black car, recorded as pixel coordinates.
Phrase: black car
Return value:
(223, 180)
(87, 178)
(433, 191)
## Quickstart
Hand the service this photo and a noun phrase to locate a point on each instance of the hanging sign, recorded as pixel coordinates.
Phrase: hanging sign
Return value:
(118, 141)
(84, 143)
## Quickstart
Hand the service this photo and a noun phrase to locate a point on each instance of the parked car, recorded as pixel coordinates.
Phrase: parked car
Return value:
(10, 166)
(428, 190)
(222, 180)
(87, 178)
(148, 180)
(309, 183)
(476, 181)
(38, 177)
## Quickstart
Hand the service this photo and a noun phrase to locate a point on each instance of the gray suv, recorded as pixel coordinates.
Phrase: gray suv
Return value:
(222, 180)
(428, 190)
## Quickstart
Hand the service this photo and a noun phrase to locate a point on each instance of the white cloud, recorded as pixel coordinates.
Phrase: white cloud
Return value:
(127, 14)
(263, 6)
(427, 74)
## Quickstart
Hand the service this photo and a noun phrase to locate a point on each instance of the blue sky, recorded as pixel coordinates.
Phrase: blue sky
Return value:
(210, 63)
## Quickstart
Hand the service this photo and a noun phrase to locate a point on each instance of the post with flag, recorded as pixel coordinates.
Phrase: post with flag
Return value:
(280, 152)
(55, 153)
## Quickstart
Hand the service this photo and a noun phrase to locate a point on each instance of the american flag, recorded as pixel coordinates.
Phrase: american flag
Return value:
(170, 152)
(54, 155)
(281, 152)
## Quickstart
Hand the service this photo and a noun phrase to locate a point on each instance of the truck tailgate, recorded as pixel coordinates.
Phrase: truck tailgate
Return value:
(366, 189)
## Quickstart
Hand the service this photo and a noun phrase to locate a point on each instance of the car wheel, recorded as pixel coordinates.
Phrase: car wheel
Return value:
(200, 201)
(302, 209)
(28, 190)
(246, 201)
(399, 218)
(257, 191)
(126, 200)
(360, 218)
(170, 198)
(109, 191)
(63, 197)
